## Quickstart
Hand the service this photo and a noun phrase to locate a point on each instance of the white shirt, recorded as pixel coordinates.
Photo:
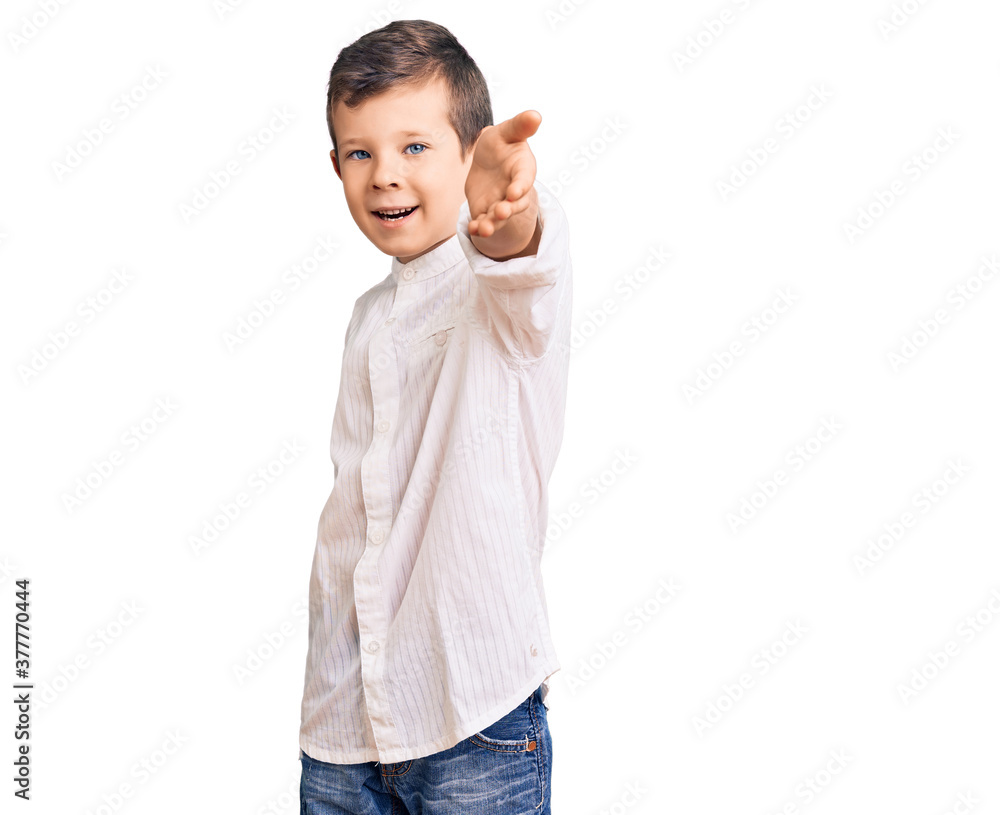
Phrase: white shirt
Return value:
(427, 615)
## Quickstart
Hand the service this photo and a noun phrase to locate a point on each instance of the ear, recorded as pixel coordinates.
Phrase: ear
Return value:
(475, 144)
(471, 152)
(336, 165)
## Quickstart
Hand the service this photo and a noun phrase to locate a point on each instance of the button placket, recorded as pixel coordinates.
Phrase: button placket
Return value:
(375, 487)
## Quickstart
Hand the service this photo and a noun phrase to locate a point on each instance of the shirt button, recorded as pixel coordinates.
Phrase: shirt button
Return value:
(407, 273)
(441, 337)
(373, 646)
(377, 536)
(383, 426)
(390, 320)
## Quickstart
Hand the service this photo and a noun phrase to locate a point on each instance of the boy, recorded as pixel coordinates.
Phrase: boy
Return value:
(429, 644)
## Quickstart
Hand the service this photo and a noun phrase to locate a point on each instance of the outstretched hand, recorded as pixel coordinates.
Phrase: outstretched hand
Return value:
(499, 185)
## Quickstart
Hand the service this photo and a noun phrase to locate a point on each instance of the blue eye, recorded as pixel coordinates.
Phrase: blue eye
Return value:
(422, 148)
(349, 155)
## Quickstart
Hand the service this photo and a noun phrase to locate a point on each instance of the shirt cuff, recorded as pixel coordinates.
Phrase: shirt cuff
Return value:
(541, 269)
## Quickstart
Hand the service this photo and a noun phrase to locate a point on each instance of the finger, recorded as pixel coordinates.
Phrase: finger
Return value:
(482, 225)
(520, 127)
(493, 220)
(505, 210)
(518, 206)
(522, 182)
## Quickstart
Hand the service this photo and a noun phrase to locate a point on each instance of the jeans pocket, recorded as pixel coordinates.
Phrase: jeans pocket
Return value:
(517, 732)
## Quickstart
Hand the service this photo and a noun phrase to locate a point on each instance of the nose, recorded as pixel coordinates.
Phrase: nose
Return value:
(386, 173)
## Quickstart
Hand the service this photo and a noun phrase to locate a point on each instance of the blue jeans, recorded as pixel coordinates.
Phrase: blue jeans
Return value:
(505, 769)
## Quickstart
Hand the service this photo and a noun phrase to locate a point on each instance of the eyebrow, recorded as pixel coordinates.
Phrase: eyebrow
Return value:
(411, 134)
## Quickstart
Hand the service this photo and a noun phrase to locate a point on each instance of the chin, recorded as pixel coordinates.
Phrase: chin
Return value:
(398, 249)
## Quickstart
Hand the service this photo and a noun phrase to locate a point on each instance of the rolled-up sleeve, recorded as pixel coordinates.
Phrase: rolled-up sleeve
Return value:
(524, 296)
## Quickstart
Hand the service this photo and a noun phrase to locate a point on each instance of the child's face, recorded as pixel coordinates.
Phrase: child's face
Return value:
(398, 150)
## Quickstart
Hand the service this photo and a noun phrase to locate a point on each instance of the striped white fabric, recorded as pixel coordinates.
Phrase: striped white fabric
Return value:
(427, 615)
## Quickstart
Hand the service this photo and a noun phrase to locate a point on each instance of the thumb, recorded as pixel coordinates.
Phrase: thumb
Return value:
(522, 126)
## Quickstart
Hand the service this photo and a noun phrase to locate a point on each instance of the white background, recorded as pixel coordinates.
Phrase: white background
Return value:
(625, 709)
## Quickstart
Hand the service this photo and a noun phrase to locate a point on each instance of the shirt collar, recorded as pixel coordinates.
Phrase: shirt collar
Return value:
(429, 264)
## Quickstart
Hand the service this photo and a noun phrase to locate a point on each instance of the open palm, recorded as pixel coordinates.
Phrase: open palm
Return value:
(502, 173)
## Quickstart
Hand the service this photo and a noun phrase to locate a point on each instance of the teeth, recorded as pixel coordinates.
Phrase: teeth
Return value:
(393, 211)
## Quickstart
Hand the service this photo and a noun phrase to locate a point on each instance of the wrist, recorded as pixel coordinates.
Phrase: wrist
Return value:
(514, 240)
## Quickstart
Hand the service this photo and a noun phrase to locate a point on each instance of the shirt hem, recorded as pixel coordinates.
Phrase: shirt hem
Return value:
(428, 748)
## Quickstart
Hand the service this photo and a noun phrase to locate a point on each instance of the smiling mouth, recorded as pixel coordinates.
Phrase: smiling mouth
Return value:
(393, 214)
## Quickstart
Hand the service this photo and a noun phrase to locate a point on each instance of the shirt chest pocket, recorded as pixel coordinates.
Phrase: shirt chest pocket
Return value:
(434, 336)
